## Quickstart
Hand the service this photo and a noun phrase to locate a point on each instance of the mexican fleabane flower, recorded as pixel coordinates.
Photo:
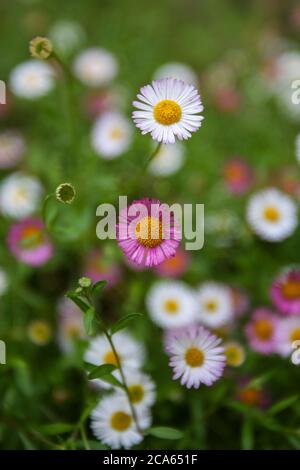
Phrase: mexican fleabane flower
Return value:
(12, 148)
(20, 195)
(289, 334)
(238, 175)
(168, 160)
(215, 306)
(234, 353)
(285, 292)
(147, 232)
(32, 79)
(168, 108)
(95, 67)
(177, 70)
(111, 135)
(196, 357)
(140, 386)
(262, 331)
(70, 325)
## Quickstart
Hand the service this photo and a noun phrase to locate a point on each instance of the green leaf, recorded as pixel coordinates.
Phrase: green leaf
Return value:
(165, 433)
(247, 434)
(100, 371)
(98, 286)
(88, 321)
(110, 379)
(283, 404)
(123, 322)
(78, 301)
(56, 428)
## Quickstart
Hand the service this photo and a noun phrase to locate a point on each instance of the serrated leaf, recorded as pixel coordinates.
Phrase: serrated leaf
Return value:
(165, 432)
(283, 404)
(56, 428)
(100, 371)
(123, 322)
(78, 301)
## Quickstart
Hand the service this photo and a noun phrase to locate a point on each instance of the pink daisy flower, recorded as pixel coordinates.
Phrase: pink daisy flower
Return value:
(99, 268)
(147, 232)
(238, 175)
(28, 242)
(262, 331)
(285, 292)
(196, 357)
(175, 266)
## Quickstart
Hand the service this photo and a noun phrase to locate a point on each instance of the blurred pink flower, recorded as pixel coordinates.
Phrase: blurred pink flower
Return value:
(251, 395)
(285, 292)
(238, 175)
(227, 99)
(28, 242)
(262, 331)
(98, 267)
(240, 301)
(175, 266)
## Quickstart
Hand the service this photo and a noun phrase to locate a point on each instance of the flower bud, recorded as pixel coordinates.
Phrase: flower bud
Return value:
(65, 193)
(40, 48)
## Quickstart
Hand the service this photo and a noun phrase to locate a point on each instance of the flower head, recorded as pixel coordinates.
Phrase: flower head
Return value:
(285, 292)
(111, 135)
(215, 306)
(234, 353)
(196, 357)
(168, 160)
(65, 193)
(177, 70)
(238, 175)
(147, 232)
(168, 108)
(28, 242)
(289, 332)
(12, 148)
(40, 48)
(98, 266)
(272, 215)
(141, 388)
(20, 195)
(32, 79)
(70, 324)
(39, 331)
(175, 266)
(95, 67)
(262, 331)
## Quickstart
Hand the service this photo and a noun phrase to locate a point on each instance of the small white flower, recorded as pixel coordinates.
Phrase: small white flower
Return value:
(168, 160)
(66, 36)
(196, 357)
(131, 353)
(288, 333)
(140, 386)
(177, 70)
(168, 108)
(70, 324)
(298, 148)
(214, 304)
(171, 304)
(32, 79)
(113, 424)
(111, 135)
(95, 67)
(12, 148)
(272, 215)
(20, 195)
(3, 281)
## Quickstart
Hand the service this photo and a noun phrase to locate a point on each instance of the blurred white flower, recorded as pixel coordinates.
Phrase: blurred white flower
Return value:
(32, 79)
(272, 215)
(168, 160)
(214, 304)
(171, 304)
(20, 195)
(95, 67)
(67, 36)
(141, 388)
(177, 70)
(3, 281)
(70, 324)
(112, 422)
(12, 148)
(111, 135)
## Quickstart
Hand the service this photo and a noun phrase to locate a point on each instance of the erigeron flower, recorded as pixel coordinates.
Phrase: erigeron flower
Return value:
(3, 281)
(66, 36)
(168, 160)
(234, 353)
(196, 357)
(285, 292)
(141, 388)
(272, 215)
(113, 424)
(177, 70)
(171, 304)
(32, 79)
(98, 266)
(288, 333)
(147, 232)
(168, 108)
(20, 195)
(175, 266)
(111, 135)
(12, 148)
(214, 304)
(70, 324)
(130, 352)
(95, 67)
(39, 332)
(238, 175)
(262, 331)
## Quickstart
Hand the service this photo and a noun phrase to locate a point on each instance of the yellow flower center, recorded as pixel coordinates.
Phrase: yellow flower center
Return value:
(110, 358)
(40, 332)
(31, 237)
(271, 214)
(136, 393)
(116, 133)
(211, 306)
(148, 232)
(120, 421)
(263, 329)
(194, 357)
(167, 112)
(291, 289)
(171, 306)
(295, 336)
(234, 355)
(251, 396)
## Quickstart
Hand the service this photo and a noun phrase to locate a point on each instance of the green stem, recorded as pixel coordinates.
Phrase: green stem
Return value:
(152, 155)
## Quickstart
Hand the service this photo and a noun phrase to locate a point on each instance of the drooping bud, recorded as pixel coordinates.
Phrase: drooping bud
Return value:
(40, 48)
(65, 193)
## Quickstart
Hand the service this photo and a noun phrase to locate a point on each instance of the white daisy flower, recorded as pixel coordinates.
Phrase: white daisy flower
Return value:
(141, 388)
(288, 332)
(111, 135)
(112, 422)
(70, 324)
(20, 195)
(131, 354)
(66, 36)
(168, 160)
(3, 281)
(298, 148)
(177, 70)
(168, 108)
(95, 67)
(12, 148)
(32, 79)
(196, 357)
(171, 304)
(214, 302)
(272, 215)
